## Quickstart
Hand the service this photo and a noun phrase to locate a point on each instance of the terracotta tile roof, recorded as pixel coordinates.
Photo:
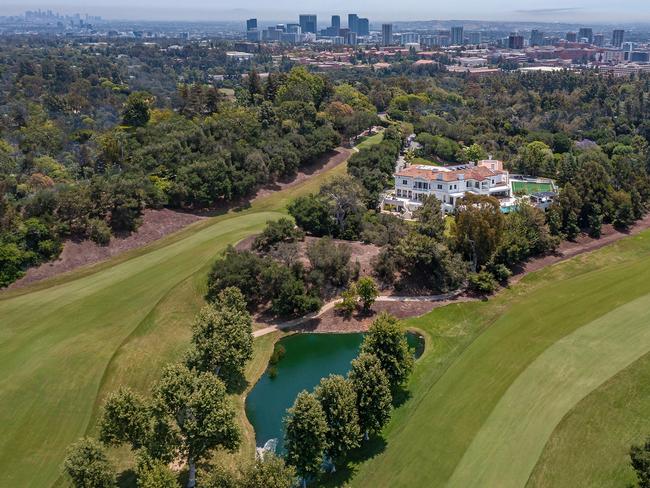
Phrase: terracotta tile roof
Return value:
(478, 173)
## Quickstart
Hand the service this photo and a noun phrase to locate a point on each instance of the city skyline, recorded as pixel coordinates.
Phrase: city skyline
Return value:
(595, 11)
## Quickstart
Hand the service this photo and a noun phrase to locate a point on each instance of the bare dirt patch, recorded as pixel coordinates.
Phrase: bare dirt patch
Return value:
(332, 321)
(76, 253)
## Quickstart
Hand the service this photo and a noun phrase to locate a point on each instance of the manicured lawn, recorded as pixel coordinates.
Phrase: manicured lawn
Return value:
(529, 187)
(371, 140)
(590, 446)
(67, 342)
(500, 376)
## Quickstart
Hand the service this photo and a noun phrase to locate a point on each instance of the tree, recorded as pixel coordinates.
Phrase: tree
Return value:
(344, 197)
(640, 460)
(125, 418)
(201, 409)
(275, 232)
(311, 213)
(425, 262)
(368, 292)
(535, 159)
(623, 216)
(372, 389)
(330, 261)
(305, 435)
(348, 302)
(474, 153)
(222, 337)
(155, 474)
(87, 465)
(338, 400)
(137, 109)
(387, 341)
(431, 221)
(478, 230)
(269, 471)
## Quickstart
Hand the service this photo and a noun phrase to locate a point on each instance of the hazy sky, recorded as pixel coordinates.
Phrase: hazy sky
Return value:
(541, 10)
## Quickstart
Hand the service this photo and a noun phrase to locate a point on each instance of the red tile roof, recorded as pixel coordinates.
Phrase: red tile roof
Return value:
(478, 173)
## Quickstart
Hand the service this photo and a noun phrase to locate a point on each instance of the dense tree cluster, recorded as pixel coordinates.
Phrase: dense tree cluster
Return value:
(333, 420)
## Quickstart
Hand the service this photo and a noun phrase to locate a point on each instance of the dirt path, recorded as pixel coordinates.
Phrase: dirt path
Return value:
(157, 224)
(328, 320)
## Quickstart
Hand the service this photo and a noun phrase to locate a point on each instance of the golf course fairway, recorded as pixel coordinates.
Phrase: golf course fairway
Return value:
(66, 342)
(502, 374)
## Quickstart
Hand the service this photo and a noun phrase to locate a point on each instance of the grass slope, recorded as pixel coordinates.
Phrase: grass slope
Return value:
(66, 342)
(492, 359)
(590, 446)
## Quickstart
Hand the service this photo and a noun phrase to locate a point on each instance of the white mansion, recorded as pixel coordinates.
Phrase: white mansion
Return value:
(414, 183)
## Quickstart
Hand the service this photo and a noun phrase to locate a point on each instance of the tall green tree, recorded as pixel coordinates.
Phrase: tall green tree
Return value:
(222, 337)
(305, 435)
(270, 471)
(387, 341)
(203, 413)
(372, 389)
(125, 418)
(338, 399)
(88, 466)
(430, 220)
(478, 228)
(137, 109)
(368, 292)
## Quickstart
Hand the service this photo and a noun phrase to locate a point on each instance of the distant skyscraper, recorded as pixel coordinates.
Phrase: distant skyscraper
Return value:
(336, 23)
(618, 37)
(536, 38)
(386, 34)
(363, 27)
(599, 40)
(515, 41)
(586, 33)
(457, 36)
(571, 37)
(352, 22)
(474, 37)
(308, 23)
(251, 24)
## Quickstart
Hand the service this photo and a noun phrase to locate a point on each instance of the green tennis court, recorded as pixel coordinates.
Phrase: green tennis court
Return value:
(529, 187)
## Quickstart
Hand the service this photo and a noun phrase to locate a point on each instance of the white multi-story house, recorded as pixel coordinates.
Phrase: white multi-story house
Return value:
(414, 183)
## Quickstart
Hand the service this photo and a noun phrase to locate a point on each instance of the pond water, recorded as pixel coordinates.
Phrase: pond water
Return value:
(308, 358)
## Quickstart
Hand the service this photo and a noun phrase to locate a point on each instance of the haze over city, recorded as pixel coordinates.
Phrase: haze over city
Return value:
(522, 10)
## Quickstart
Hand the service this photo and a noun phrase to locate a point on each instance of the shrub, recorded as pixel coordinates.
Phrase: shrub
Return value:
(98, 231)
(283, 230)
(482, 283)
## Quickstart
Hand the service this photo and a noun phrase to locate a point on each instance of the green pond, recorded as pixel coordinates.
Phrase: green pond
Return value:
(308, 358)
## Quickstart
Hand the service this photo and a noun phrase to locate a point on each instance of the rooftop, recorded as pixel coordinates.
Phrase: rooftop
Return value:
(433, 173)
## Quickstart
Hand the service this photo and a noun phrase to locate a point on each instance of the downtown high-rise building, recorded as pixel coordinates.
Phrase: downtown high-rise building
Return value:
(308, 23)
(474, 37)
(386, 34)
(618, 37)
(536, 37)
(515, 41)
(586, 33)
(457, 37)
(599, 40)
(363, 27)
(336, 23)
(571, 37)
(353, 19)
(251, 24)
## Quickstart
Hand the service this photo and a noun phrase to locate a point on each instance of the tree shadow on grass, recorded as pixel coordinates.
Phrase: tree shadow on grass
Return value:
(237, 384)
(127, 479)
(343, 474)
(400, 396)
